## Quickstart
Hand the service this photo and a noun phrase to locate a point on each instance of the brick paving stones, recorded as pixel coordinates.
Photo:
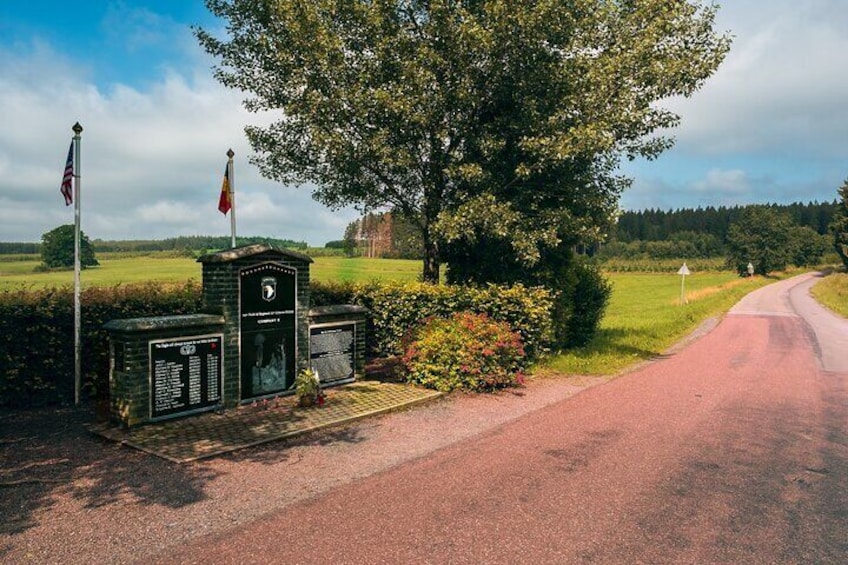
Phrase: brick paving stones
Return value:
(211, 434)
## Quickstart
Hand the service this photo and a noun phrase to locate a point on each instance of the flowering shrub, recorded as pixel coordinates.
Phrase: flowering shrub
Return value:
(395, 307)
(464, 352)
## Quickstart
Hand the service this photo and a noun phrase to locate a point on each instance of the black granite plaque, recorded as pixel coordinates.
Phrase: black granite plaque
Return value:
(331, 351)
(268, 328)
(185, 375)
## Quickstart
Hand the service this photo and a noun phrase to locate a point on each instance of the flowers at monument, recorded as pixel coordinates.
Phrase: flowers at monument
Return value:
(307, 386)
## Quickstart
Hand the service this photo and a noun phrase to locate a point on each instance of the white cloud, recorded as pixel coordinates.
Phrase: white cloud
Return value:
(726, 187)
(152, 158)
(770, 125)
(165, 212)
(724, 183)
(782, 87)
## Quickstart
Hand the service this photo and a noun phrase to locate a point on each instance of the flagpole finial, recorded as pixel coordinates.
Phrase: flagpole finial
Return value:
(77, 128)
(230, 153)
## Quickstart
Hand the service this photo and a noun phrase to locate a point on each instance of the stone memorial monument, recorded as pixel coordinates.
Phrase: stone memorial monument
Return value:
(256, 332)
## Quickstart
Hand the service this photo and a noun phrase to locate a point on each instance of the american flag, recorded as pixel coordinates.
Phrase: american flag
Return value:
(67, 189)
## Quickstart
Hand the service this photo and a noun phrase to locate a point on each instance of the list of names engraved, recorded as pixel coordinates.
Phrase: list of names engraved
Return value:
(185, 375)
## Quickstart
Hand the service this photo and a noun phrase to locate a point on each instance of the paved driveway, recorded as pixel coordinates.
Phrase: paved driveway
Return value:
(731, 451)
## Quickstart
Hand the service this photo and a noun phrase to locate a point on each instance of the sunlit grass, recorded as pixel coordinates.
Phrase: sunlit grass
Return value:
(123, 269)
(645, 317)
(832, 291)
(362, 269)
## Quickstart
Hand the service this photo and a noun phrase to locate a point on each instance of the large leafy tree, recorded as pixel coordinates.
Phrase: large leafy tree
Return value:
(761, 236)
(807, 246)
(472, 118)
(57, 249)
(839, 224)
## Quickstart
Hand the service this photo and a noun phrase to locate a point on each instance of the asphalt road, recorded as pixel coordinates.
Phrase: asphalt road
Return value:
(732, 450)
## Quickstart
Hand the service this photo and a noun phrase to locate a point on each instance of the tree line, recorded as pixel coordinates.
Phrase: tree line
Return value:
(661, 225)
(657, 234)
(189, 243)
(193, 243)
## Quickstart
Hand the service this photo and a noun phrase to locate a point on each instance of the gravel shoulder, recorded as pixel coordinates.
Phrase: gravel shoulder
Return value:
(69, 496)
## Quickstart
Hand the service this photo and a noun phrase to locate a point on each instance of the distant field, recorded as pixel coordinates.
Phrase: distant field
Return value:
(110, 272)
(618, 265)
(123, 269)
(364, 269)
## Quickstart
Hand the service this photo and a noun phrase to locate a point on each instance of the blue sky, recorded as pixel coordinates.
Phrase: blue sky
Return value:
(770, 126)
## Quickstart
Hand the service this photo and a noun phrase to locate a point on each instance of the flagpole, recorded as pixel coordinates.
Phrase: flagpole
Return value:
(77, 319)
(232, 188)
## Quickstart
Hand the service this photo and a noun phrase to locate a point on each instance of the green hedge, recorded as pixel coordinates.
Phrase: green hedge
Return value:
(37, 327)
(395, 308)
(37, 336)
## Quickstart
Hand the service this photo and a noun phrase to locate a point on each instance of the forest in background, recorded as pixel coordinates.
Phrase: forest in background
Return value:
(659, 225)
(191, 244)
(686, 232)
(698, 232)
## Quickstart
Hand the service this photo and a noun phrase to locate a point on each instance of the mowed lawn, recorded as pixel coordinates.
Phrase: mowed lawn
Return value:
(644, 316)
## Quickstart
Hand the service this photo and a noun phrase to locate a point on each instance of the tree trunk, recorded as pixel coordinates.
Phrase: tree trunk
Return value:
(429, 213)
(431, 260)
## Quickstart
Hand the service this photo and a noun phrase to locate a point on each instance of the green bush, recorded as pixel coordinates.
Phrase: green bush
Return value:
(396, 307)
(761, 236)
(37, 336)
(57, 248)
(807, 247)
(558, 269)
(329, 293)
(580, 304)
(465, 351)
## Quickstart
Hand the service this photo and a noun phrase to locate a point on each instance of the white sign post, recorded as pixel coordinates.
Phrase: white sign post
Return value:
(683, 271)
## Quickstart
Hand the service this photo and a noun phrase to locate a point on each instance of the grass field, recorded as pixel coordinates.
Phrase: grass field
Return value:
(645, 317)
(364, 269)
(832, 291)
(121, 269)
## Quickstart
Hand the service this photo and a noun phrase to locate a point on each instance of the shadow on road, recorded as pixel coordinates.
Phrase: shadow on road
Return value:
(47, 452)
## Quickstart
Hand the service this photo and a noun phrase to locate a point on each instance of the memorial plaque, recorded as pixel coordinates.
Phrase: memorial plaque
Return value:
(331, 351)
(185, 375)
(268, 329)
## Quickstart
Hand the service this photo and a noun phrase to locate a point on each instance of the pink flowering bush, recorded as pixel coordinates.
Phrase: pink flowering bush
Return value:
(465, 351)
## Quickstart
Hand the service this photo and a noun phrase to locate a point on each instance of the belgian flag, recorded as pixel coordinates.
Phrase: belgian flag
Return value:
(225, 201)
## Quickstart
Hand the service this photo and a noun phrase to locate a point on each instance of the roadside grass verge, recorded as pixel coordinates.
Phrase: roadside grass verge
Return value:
(832, 292)
(645, 317)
